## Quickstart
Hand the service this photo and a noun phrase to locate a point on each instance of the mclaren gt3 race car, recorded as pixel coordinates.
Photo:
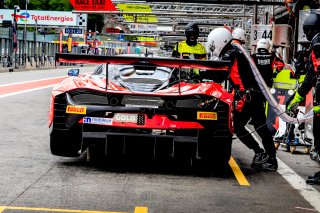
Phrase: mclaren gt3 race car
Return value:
(130, 101)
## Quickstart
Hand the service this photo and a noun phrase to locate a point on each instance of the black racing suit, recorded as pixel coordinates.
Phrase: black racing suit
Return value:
(242, 79)
(312, 79)
(265, 63)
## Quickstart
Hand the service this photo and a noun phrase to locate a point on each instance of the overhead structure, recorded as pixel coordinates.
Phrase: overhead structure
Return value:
(207, 13)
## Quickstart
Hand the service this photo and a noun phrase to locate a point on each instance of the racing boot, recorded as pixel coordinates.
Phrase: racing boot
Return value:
(270, 163)
(315, 179)
(259, 157)
(317, 174)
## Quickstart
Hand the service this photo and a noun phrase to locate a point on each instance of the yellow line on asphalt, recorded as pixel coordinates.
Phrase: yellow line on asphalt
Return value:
(140, 209)
(238, 173)
(2, 208)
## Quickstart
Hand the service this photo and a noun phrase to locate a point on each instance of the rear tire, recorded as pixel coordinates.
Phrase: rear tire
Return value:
(66, 143)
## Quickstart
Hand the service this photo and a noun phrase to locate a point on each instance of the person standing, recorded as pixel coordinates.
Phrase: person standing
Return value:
(267, 61)
(190, 48)
(249, 101)
(311, 28)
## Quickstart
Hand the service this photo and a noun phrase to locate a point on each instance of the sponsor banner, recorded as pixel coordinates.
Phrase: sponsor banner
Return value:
(139, 38)
(97, 120)
(49, 18)
(76, 109)
(137, 8)
(207, 116)
(135, 27)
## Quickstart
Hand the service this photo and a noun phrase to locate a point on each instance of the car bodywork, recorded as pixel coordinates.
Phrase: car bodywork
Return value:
(131, 100)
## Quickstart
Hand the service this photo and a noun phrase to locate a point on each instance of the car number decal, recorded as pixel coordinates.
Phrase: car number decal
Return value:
(76, 109)
(207, 116)
(97, 120)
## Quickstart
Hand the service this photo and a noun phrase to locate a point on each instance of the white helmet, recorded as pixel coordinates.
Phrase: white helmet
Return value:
(239, 34)
(264, 44)
(218, 38)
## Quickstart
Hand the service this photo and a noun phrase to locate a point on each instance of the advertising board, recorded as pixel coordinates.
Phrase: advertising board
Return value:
(47, 18)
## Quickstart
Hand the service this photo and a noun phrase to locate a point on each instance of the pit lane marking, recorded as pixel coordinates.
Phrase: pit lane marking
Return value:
(309, 193)
(138, 209)
(24, 91)
(32, 81)
(238, 173)
(28, 86)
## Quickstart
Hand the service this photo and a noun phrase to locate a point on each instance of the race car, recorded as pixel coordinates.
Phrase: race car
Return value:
(131, 101)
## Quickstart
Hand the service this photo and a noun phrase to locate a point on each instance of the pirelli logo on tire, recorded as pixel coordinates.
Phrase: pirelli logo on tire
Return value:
(212, 116)
(82, 110)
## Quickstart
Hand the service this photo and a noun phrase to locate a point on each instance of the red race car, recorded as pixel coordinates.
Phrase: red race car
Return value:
(173, 106)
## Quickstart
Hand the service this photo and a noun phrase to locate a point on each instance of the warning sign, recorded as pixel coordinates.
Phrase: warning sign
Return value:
(94, 5)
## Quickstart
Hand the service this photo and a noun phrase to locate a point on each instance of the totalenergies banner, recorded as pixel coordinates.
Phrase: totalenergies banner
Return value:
(29, 17)
(137, 8)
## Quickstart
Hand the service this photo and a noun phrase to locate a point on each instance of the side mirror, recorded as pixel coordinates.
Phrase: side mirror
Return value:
(73, 72)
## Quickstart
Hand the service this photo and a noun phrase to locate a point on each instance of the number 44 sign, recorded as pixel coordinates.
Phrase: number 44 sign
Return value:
(260, 31)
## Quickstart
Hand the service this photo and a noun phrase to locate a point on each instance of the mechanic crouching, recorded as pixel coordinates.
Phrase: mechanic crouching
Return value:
(311, 28)
(248, 97)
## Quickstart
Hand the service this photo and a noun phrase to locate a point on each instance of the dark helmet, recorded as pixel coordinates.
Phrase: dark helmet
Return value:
(192, 29)
(311, 25)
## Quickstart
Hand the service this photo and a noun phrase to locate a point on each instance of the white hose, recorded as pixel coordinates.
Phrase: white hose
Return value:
(265, 90)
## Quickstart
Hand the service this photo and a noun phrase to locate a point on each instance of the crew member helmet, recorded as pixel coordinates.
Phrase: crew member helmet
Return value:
(192, 29)
(263, 45)
(218, 38)
(311, 26)
(239, 34)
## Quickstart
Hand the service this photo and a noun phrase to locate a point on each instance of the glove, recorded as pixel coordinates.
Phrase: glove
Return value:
(295, 101)
(239, 100)
(239, 105)
(316, 110)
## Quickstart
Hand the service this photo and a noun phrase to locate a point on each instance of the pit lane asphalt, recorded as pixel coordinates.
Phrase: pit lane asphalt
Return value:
(32, 177)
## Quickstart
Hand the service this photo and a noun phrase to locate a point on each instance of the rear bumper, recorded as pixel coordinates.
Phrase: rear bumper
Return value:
(104, 135)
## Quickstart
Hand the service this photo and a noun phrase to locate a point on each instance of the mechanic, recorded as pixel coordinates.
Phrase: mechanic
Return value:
(266, 61)
(239, 35)
(249, 101)
(311, 28)
(190, 48)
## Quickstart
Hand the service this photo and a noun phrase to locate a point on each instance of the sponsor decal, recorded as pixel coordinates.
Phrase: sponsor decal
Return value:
(124, 117)
(207, 116)
(97, 120)
(76, 110)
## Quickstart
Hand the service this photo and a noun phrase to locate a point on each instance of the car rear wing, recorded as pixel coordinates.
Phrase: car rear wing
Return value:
(131, 60)
(217, 71)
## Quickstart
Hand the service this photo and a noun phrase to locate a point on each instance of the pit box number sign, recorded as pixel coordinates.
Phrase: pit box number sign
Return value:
(72, 31)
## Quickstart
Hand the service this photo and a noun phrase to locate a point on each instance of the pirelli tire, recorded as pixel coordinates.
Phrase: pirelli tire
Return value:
(66, 143)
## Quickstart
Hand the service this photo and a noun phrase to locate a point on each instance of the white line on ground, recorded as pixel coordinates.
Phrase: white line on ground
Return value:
(310, 194)
(23, 82)
(24, 91)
